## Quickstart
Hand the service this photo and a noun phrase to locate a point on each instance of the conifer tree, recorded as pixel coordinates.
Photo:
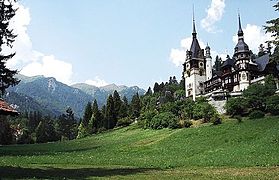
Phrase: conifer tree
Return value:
(7, 12)
(40, 133)
(110, 116)
(273, 28)
(135, 106)
(87, 114)
(124, 109)
(149, 91)
(117, 102)
(156, 88)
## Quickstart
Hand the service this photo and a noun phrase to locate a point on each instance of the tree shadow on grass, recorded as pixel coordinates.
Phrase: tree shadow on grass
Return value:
(39, 152)
(8, 172)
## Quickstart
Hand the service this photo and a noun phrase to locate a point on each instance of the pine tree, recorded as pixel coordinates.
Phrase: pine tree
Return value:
(149, 91)
(7, 12)
(117, 102)
(87, 114)
(41, 136)
(135, 106)
(273, 28)
(96, 118)
(124, 109)
(156, 88)
(110, 116)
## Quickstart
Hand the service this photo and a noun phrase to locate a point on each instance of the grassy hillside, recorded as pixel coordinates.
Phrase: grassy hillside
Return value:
(230, 150)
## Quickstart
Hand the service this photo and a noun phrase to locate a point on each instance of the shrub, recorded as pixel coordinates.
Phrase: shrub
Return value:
(256, 114)
(238, 118)
(272, 105)
(185, 123)
(236, 106)
(216, 119)
(164, 120)
(124, 122)
(203, 110)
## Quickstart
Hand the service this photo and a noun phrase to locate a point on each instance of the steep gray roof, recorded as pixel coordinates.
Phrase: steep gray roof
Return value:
(228, 62)
(262, 62)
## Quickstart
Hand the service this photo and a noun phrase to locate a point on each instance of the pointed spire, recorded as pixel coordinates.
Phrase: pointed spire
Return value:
(194, 26)
(240, 32)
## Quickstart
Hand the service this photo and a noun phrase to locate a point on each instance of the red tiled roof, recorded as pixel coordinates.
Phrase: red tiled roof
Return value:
(6, 109)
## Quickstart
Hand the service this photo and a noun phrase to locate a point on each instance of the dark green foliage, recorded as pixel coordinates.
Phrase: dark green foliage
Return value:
(272, 105)
(146, 117)
(110, 114)
(45, 132)
(218, 63)
(203, 109)
(273, 28)
(6, 132)
(67, 126)
(255, 95)
(236, 106)
(216, 119)
(87, 114)
(170, 107)
(117, 102)
(164, 120)
(238, 118)
(135, 106)
(188, 108)
(7, 11)
(156, 88)
(123, 122)
(25, 138)
(256, 114)
(149, 92)
(124, 109)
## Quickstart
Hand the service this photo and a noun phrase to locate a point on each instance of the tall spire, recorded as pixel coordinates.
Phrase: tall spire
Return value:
(194, 26)
(240, 32)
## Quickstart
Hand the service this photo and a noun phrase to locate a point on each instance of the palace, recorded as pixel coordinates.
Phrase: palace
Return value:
(234, 75)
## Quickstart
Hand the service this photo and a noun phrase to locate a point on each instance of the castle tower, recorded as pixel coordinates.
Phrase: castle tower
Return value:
(242, 57)
(208, 60)
(194, 68)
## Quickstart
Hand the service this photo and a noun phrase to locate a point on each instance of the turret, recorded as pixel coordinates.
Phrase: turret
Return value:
(208, 59)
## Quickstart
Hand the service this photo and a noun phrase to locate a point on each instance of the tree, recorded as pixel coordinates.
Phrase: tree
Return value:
(110, 116)
(236, 106)
(41, 136)
(117, 102)
(273, 28)
(87, 114)
(124, 109)
(149, 92)
(6, 133)
(217, 64)
(156, 88)
(67, 125)
(135, 106)
(7, 12)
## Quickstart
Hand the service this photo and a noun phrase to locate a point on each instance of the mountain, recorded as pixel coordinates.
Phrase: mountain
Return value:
(101, 93)
(51, 97)
(50, 94)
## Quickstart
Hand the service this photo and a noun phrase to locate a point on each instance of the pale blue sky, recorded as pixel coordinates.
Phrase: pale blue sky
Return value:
(129, 42)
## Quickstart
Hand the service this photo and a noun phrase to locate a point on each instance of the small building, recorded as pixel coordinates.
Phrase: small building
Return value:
(6, 109)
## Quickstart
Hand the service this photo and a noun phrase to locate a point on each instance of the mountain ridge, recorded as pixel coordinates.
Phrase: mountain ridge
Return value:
(49, 95)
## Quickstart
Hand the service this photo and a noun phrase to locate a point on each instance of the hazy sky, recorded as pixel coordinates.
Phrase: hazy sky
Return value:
(127, 42)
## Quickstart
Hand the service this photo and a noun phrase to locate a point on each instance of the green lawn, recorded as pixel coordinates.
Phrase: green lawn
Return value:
(228, 151)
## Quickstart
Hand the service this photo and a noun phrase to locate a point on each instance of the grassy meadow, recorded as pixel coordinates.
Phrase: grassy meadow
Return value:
(232, 150)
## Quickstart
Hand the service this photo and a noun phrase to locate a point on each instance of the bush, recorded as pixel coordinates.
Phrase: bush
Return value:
(146, 117)
(185, 123)
(124, 122)
(203, 110)
(256, 114)
(164, 120)
(216, 119)
(272, 105)
(238, 118)
(236, 106)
